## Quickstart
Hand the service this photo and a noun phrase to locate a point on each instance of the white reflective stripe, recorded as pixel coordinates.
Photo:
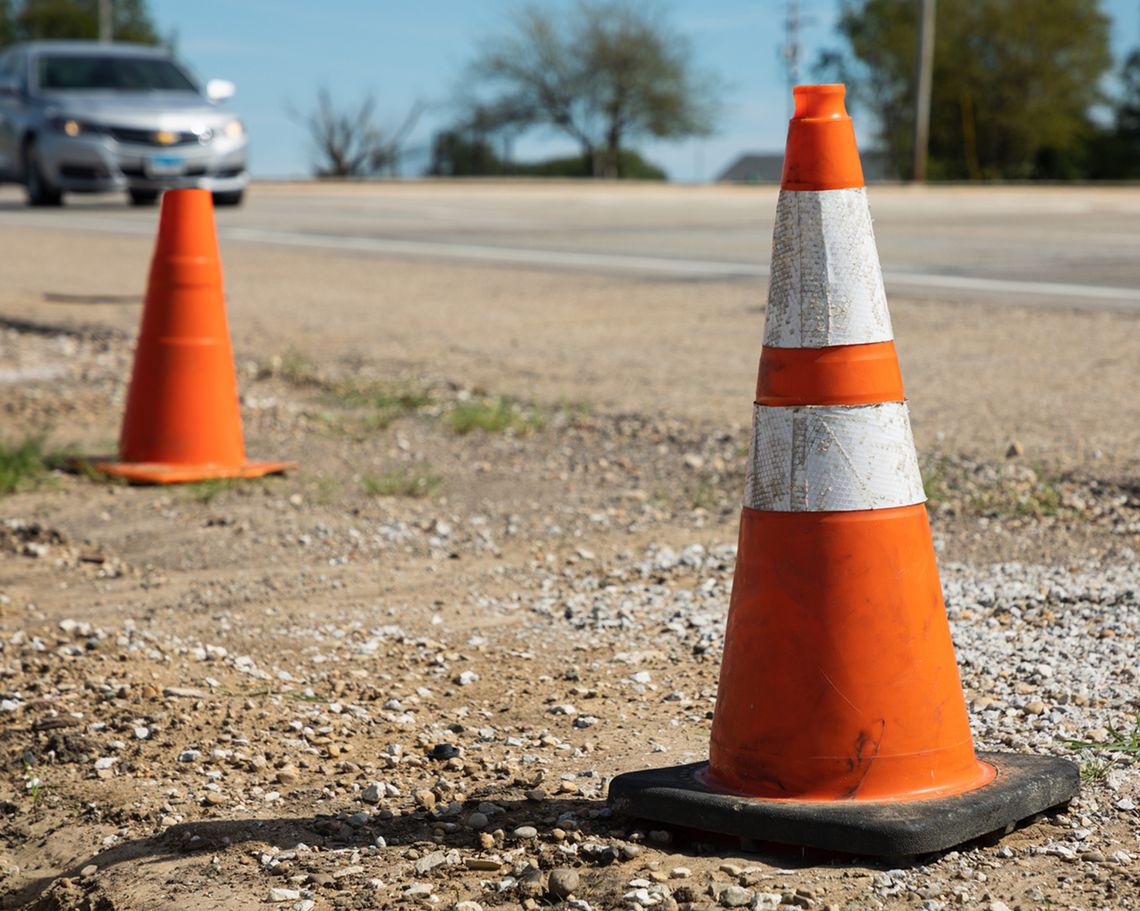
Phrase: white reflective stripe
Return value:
(826, 286)
(832, 458)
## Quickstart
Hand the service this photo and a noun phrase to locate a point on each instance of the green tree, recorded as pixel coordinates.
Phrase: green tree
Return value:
(603, 72)
(1014, 83)
(33, 20)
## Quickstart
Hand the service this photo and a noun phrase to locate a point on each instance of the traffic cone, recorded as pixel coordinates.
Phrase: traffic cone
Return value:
(840, 722)
(182, 421)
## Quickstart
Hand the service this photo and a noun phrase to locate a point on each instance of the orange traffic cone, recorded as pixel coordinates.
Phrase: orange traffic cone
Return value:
(840, 722)
(182, 421)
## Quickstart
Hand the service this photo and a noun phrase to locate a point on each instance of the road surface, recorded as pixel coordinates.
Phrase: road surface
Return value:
(1073, 247)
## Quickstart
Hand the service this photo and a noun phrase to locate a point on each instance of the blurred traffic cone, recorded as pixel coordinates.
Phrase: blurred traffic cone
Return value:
(182, 421)
(840, 722)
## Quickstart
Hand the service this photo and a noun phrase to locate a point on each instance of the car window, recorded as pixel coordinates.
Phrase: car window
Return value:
(70, 72)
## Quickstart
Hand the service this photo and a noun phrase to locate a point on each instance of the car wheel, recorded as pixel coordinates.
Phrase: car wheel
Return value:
(40, 191)
(229, 199)
(143, 197)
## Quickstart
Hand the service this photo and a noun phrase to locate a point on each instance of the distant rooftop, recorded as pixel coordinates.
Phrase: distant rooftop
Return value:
(766, 167)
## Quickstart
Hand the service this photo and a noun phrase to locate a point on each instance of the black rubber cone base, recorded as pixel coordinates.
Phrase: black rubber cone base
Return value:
(1024, 785)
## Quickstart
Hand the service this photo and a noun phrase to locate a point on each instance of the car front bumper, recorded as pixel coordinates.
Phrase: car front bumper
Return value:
(99, 163)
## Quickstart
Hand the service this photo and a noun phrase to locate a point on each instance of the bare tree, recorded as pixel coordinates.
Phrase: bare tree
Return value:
(603, 72)
(349, 142)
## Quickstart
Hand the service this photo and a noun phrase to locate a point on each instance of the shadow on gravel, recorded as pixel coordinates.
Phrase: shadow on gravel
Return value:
(326, 832)
(330, 832)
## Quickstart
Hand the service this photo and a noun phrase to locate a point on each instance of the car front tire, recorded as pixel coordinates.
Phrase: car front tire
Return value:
(40, 191)
(143, 197)
(229, 199)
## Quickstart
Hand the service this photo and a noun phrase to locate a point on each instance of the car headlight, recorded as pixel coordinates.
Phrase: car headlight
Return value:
(71, 127)
(235, 129)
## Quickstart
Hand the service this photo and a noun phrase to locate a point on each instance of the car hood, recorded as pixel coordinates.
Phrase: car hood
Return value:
(142, 110)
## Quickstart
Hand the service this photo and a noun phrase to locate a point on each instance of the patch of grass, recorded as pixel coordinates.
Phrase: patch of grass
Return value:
(371, 405)
(704, 495)
(935, 480)
(1093, 768)
(209, 490)
(1120, 746)
(493, 414)
(294, 368)
(402, 482)
(27, 465)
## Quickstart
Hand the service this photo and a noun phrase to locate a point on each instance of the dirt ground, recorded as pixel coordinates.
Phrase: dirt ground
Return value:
(403, 674)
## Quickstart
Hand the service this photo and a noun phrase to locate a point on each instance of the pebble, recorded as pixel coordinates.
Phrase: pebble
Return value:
(372, 793)
(443, 751)
(478, 820)
(525, 832)
(564, 882)
(735, 897)
(466, 678)
(89, 870)
(429, 862)
(284, 895)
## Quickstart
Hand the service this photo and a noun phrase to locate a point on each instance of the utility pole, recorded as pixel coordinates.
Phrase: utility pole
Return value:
(924, 76)
(105, 27)
(791, 48)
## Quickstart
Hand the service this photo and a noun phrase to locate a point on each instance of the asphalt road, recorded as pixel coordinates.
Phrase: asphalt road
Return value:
(1070, 247)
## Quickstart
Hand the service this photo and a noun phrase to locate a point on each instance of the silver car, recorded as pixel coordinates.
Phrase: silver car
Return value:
(86, 117)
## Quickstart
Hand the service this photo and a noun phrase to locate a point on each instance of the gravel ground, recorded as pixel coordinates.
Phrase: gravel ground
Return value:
(403, 676)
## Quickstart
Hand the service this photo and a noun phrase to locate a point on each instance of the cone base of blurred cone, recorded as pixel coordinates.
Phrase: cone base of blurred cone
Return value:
(155, 473)
(1024, 786)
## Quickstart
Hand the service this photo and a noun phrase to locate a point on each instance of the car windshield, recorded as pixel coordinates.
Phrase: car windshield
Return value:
(67, 72)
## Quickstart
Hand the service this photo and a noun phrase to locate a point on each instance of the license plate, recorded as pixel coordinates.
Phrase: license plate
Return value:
(165, 165)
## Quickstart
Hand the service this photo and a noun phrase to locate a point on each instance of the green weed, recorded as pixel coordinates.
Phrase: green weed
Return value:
(402, 482)
(493, 414)
(28, 465)
(209, 490)
(1120, 746)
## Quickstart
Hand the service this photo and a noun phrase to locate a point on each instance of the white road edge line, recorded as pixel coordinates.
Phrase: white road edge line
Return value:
(569, 259)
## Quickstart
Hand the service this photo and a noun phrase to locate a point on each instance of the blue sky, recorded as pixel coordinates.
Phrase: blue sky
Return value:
(279, 51)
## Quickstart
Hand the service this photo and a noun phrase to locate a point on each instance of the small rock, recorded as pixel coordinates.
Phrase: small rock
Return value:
(429, 862)
(372, 793)
(1015, 449)
(735, 897)
(680, 873)
(1036, 707)
(525, 832)
(564, 882)
(89, 870)
(478, 820)
(482, 863)
(468, 906)
(441, 752)
(532, 883)
(284, 895)
(466, 678)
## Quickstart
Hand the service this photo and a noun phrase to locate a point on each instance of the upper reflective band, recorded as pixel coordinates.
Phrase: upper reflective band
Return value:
(826, 287)
(832, 459)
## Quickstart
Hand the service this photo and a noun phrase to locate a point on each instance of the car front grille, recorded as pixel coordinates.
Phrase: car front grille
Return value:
(138, 172)
(81, 172)
(152, 137)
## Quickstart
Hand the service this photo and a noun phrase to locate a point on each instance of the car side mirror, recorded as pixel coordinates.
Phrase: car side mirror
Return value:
(220, 89)
(9, 86)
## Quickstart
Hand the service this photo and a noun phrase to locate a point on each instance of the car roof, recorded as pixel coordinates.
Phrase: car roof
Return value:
(96, 48)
